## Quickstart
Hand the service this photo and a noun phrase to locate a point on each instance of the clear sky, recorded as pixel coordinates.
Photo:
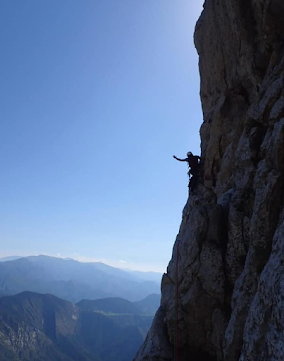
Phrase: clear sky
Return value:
(95, 98)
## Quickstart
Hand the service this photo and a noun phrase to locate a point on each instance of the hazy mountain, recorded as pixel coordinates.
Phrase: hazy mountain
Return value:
(43, 328)
(3, 293)
(150, 304)
(10, 258)
(110, 305)
(72, 280)
(145, 276)
(112, 271)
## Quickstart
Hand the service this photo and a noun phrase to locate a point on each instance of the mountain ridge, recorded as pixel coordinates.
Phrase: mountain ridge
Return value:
(44, 327)
(71, 280)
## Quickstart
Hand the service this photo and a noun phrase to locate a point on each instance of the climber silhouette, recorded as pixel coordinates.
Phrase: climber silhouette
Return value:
(193, 164)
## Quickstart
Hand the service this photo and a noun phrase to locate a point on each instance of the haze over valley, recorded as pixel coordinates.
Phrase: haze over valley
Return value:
(110, 312)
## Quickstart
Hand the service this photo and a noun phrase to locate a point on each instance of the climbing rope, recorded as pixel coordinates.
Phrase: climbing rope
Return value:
(176, 343)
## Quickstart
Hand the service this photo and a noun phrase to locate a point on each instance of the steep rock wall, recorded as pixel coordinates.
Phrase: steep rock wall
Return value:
(228, 259)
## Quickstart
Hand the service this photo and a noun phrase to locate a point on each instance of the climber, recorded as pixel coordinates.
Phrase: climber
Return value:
(193, 163)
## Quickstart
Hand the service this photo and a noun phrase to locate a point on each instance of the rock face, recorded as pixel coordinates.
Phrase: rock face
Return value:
(223, 293)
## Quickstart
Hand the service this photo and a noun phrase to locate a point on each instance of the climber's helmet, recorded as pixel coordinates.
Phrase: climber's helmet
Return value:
(189, 154)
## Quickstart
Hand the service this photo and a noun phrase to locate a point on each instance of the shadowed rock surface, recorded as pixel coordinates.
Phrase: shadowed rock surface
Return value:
(228, 258)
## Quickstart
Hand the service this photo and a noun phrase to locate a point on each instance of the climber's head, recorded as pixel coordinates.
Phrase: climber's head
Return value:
(189, 154)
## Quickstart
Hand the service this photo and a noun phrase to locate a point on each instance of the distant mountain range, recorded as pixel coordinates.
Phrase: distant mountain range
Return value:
(10, 258)
(43, 328)
(150, 304)
(73, 280)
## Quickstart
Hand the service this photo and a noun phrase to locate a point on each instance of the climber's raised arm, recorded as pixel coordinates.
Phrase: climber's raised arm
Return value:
(181, 160)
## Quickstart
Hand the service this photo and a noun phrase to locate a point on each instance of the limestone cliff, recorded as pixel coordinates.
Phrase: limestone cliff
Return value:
(228, 259)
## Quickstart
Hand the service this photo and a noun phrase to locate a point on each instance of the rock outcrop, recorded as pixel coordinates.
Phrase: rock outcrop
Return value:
(223, 293)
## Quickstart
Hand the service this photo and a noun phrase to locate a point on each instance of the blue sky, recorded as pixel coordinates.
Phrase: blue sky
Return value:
(95, 98)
